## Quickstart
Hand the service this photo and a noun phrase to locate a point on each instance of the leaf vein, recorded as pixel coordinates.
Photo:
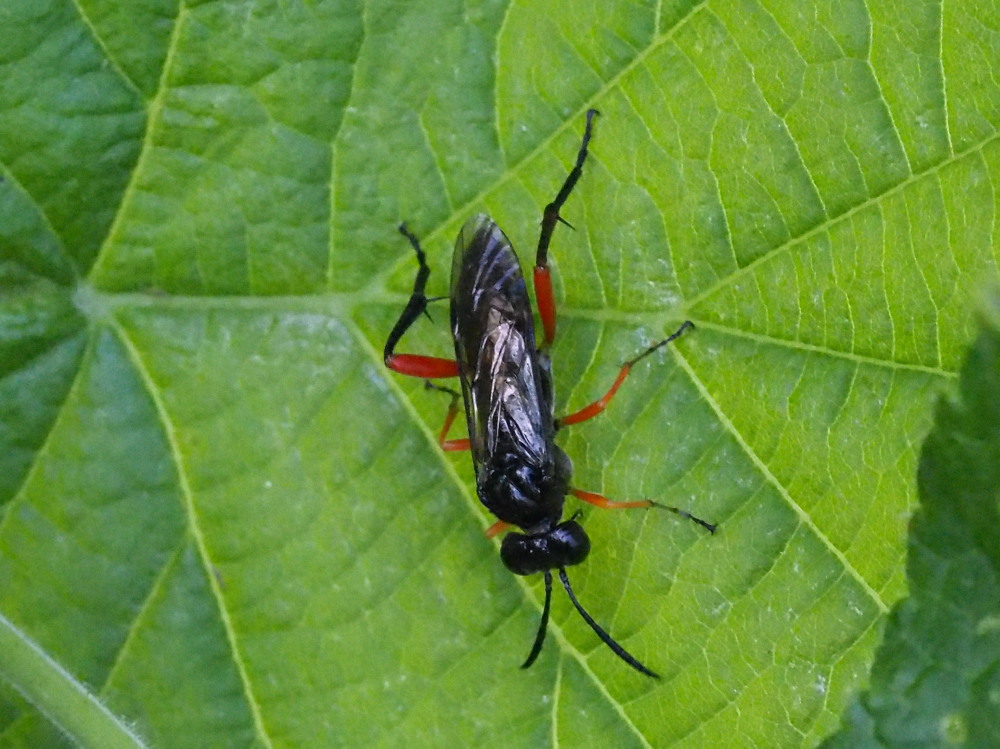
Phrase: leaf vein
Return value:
(822, 226)
(773, 480)
(187, 494)
(99, 41)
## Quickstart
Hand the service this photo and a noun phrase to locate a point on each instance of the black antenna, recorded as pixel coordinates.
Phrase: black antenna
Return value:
(605, 637)
(540, 637)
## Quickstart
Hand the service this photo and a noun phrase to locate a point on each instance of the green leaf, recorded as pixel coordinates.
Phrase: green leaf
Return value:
(935, 679)
(227, 524)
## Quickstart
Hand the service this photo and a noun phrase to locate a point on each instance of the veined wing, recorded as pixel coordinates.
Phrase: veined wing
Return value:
(495, 347)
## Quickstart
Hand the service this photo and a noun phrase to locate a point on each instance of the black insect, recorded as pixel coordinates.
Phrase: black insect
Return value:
(522, 476)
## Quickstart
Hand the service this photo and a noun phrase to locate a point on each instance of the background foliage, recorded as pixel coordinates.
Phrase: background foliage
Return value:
(935, 678)
(225, 522)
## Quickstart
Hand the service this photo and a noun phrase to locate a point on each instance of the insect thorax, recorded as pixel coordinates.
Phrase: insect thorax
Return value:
(528, 496)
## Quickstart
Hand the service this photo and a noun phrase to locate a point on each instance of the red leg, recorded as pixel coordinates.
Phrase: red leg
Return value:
(599, 500)
(543, 279)
(413, 364)
(590, 411)
(446, 444)
(546, 303)
(422, 366)
(497, 528)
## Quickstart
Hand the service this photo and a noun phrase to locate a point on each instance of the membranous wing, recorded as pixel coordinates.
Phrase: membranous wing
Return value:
(503, 382)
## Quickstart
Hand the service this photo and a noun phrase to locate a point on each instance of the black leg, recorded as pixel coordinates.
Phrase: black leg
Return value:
(542, 275)
(413, 364)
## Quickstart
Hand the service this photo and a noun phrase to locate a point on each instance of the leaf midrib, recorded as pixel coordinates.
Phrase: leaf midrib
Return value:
(345, 305)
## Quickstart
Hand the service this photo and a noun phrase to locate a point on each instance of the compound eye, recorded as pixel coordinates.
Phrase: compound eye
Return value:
(525, 555)
(569, 543)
